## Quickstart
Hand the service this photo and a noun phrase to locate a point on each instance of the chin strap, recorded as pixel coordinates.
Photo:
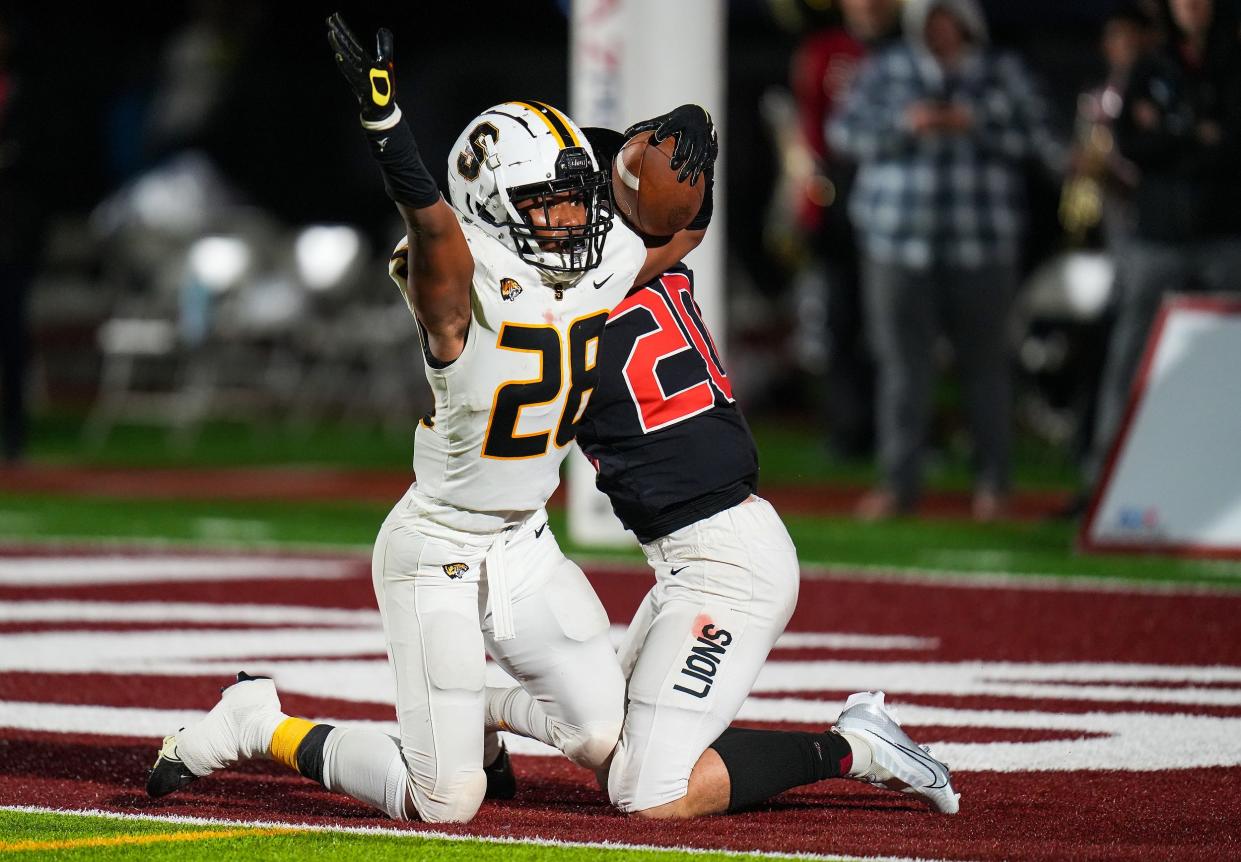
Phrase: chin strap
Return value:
(559, 281)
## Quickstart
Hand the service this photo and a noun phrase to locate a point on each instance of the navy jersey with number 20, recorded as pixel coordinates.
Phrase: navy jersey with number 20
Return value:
(669, 442)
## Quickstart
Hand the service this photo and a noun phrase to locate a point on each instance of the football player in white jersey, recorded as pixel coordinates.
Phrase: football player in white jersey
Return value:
(511, 286)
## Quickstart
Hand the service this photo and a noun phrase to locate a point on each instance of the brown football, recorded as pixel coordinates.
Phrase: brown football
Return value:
(646, 189)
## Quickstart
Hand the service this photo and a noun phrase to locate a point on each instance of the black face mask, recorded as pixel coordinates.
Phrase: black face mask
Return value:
(579, 247)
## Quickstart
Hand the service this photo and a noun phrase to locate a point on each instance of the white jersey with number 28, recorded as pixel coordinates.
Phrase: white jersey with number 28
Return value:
(506, 409)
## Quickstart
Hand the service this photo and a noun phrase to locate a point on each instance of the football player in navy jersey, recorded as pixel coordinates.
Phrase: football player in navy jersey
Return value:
(678, 462)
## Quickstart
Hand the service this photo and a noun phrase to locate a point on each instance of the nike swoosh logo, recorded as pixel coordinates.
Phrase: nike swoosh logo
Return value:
(929, 764)
(599, 284)
(676, 572)
(539, 532)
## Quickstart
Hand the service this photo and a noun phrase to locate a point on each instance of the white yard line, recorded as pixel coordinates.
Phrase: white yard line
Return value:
(810, 570)
(42, 571)
(1010, 580)
(172, 613)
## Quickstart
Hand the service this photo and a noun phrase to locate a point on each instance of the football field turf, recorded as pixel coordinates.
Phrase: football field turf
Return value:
(1090, 707)
(1082, 719)
(34, 835)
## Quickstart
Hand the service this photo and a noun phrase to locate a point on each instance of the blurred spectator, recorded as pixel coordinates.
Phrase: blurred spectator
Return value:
(19, 234)
(1098, 193)
(1181, 125)
(823, 70)
(1096, 206)
(941, 126)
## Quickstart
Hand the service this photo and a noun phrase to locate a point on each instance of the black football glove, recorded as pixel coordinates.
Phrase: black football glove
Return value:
(696, 147)
(373, 79)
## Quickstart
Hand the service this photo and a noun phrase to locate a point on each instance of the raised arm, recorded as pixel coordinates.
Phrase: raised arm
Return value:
(440, 265)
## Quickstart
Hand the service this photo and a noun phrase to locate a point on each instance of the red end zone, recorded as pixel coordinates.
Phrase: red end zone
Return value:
(1080, 723)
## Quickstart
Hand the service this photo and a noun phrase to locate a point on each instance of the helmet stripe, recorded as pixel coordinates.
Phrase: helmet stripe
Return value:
(555, 121)
(563, 121)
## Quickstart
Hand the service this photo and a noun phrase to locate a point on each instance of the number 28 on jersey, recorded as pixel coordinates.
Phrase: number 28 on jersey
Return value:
(529, 416)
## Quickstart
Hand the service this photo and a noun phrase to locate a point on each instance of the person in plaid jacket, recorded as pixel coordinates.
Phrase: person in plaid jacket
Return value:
(941, 127)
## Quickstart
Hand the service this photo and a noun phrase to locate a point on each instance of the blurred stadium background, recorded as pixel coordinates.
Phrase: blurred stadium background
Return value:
(209, 235)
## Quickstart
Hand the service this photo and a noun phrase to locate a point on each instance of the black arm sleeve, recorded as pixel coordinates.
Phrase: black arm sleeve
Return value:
(703, 218)
(406, 178)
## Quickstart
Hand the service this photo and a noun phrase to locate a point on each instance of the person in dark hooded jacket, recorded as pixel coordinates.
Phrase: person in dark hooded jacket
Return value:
(1181, 127)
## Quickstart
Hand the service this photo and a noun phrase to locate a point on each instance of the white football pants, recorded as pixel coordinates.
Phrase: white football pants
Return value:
(725, 588)
(432, 587)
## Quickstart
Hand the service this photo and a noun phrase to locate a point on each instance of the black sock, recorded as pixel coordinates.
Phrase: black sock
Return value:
(310, 752)
(763, 763)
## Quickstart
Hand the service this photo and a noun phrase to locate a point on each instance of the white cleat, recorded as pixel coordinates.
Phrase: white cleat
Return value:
(239, 727)
(898, 763)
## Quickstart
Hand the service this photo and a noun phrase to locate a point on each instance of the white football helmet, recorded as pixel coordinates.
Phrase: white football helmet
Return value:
(529, 151)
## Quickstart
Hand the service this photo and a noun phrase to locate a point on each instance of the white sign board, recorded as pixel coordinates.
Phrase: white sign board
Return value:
(1172, 482)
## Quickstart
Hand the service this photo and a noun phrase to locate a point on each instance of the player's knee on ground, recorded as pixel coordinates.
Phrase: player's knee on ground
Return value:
(590, 746)
(456, 800)
(667, 811)
(446, 776)
(623, 784)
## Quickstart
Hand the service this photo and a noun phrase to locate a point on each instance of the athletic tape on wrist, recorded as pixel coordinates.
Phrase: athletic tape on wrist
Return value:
(386, 123)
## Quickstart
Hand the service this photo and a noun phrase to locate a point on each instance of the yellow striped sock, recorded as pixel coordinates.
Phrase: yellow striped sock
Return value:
(288, 736)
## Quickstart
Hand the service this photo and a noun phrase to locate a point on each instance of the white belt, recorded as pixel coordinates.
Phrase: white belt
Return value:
(499, 600)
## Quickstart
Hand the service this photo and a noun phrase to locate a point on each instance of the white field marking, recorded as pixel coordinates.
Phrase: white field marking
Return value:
(835, 640)
(1018, 581)
(814, 570)
(415, 834)
(356, 680)
(827, 640)
(74, 571)
(78, 544)
(183, 549)
(1131, 741)
(132, 721)
(371, 681)
(164, 650)
(178, 651)
(122, 720)
(171, 612)
(1009, 679)
(291, 615)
